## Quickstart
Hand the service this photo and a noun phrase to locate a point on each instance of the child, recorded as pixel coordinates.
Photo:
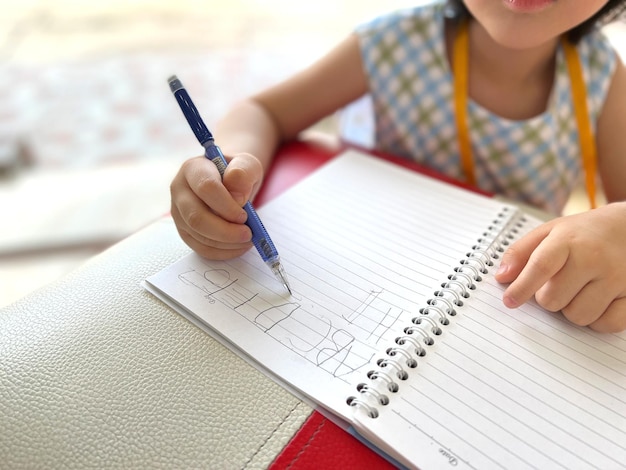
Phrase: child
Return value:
(522, 139)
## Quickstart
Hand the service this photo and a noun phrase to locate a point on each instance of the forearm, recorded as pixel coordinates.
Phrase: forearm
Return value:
(248, 128)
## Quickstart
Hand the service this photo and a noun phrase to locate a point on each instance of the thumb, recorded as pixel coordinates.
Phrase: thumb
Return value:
(243, 177)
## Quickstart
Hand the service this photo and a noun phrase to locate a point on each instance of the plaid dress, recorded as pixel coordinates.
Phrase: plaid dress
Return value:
(536, 161)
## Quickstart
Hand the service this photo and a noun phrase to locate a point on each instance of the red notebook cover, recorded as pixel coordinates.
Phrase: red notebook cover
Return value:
(296, 160)
(320, 443)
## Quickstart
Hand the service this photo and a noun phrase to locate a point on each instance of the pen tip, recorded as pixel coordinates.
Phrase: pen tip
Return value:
(279, 272)
(283, 278)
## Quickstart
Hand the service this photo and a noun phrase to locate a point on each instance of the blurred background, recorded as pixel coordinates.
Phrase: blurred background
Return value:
(90, 135)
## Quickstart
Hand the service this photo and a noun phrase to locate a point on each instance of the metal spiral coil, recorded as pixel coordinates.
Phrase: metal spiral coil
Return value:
(435, 316)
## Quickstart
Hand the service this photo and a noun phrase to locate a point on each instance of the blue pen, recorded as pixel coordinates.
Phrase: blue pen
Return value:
(260, 237)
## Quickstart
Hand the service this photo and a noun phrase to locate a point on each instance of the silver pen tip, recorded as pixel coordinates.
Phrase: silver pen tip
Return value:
(279, 272)
(286, 284)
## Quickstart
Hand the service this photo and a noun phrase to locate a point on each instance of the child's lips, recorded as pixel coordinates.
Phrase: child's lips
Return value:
(528, 6)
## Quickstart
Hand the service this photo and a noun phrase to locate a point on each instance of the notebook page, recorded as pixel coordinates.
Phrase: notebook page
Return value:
(363, 242)
(510, 389)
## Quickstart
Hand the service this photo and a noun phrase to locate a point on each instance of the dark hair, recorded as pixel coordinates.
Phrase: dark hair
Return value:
(609, 12)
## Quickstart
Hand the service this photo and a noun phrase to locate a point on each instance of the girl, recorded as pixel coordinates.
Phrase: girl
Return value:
(479, 90)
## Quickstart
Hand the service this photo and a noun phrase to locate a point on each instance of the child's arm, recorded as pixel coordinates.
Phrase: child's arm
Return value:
(577, 264)
(207, 210)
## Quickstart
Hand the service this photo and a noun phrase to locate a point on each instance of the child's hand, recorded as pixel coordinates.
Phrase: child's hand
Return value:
(575, 264)
(208, 211)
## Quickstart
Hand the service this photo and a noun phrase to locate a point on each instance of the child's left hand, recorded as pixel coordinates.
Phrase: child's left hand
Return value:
(574, 264)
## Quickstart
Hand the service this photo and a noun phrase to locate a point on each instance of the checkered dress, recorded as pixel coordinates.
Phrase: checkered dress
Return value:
(536, 161)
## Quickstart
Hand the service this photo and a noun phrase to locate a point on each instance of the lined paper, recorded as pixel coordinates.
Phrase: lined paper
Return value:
(365, 244)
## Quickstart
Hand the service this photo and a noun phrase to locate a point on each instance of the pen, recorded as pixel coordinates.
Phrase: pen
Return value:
(260, 237)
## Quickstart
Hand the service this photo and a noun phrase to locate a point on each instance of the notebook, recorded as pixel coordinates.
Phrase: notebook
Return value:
(397, 330)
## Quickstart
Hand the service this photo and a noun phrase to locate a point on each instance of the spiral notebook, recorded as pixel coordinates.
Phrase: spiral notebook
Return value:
(397, 330)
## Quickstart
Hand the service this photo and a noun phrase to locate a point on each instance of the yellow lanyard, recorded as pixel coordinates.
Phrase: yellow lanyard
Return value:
(579, 97)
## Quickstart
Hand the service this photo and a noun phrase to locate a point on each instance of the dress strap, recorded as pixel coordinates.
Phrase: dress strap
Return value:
(585, 130)
(579, 97)
(460, 65)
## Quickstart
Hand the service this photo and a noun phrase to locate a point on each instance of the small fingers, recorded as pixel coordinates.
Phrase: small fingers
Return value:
(243, 177)
(588, 305)
(200, 227)
(545, 261)
(517, 255)
(567, 285)
(613, 320)
(190, 211)
(206, 246)
(574, 265)
(215, 251)
(209, 228)
(205, 182)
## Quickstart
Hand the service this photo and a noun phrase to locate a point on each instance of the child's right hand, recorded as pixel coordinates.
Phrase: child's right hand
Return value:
(208, 210)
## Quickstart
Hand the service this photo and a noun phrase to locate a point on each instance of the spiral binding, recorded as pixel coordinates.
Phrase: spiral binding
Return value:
(433, 318)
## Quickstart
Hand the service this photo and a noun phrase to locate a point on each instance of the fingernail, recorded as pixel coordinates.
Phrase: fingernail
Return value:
(502, 269)
(246, 236)
(239, 198)
(509, 301)
(242, 217)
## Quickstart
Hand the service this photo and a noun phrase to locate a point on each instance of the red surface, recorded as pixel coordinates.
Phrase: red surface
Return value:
(295, 160)
(321, 444)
